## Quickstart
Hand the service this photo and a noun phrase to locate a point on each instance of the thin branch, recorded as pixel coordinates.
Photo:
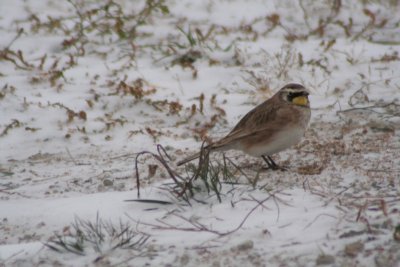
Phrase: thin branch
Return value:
(317, 217)
(198, 227)
(20, 32)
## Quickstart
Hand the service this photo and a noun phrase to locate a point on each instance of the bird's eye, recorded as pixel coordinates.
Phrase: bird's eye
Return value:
(290, 96)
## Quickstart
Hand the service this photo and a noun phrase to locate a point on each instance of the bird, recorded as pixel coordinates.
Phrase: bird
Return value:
(273, 126)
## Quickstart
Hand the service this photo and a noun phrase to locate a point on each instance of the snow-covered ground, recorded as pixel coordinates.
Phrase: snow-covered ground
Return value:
(87, 85)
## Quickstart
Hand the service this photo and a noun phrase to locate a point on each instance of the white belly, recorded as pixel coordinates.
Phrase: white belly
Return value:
(277, 143)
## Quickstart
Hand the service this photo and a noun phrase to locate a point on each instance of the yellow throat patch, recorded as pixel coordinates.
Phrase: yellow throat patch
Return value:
(300, 100)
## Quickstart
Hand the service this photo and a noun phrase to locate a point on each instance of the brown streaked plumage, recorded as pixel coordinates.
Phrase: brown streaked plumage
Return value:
(273, 126)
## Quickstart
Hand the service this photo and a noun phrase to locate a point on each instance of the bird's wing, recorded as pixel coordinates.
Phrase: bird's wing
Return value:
(244, 133)
(255, 121)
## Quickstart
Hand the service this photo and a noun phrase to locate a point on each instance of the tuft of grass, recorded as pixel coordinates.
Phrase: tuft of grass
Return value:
(13, 124)
(207, 176)
(196, 45)
(100, 236)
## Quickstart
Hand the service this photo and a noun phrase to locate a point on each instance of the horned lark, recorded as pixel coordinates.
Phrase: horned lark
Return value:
(273, 126)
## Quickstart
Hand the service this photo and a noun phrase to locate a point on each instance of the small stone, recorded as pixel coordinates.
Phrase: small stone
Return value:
(351, 233)
(396, 234)
(107, 182)
(325, 259)
(354, 248)
(246, 245)
(40, 225)
(184, 259)
(382, 260)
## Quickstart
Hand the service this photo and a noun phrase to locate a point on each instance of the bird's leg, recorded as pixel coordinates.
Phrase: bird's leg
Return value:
(274, 165)
(266, 161)
(271, 164)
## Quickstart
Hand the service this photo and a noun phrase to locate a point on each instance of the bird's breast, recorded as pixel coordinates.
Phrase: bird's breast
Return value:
(268, 144)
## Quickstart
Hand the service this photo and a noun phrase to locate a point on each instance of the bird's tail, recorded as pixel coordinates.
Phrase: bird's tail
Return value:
(188, 159)
(206, 149)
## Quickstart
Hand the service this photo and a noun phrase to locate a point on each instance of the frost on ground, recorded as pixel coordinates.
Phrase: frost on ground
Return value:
(86, 86)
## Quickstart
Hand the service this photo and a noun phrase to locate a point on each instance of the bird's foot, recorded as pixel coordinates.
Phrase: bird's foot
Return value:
(272, 165)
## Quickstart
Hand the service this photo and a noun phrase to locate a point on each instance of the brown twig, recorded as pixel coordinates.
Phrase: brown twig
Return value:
(198, 227)
(14, 193)
(160, 158)
(20, 32)
(338, 194)
(13, 124)
(317, 217)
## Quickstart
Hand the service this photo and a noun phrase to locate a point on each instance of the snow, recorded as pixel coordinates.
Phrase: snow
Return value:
(68, 143)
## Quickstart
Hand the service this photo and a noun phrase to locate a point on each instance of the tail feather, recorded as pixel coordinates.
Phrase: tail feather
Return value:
(213, 147)
(190, 158)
